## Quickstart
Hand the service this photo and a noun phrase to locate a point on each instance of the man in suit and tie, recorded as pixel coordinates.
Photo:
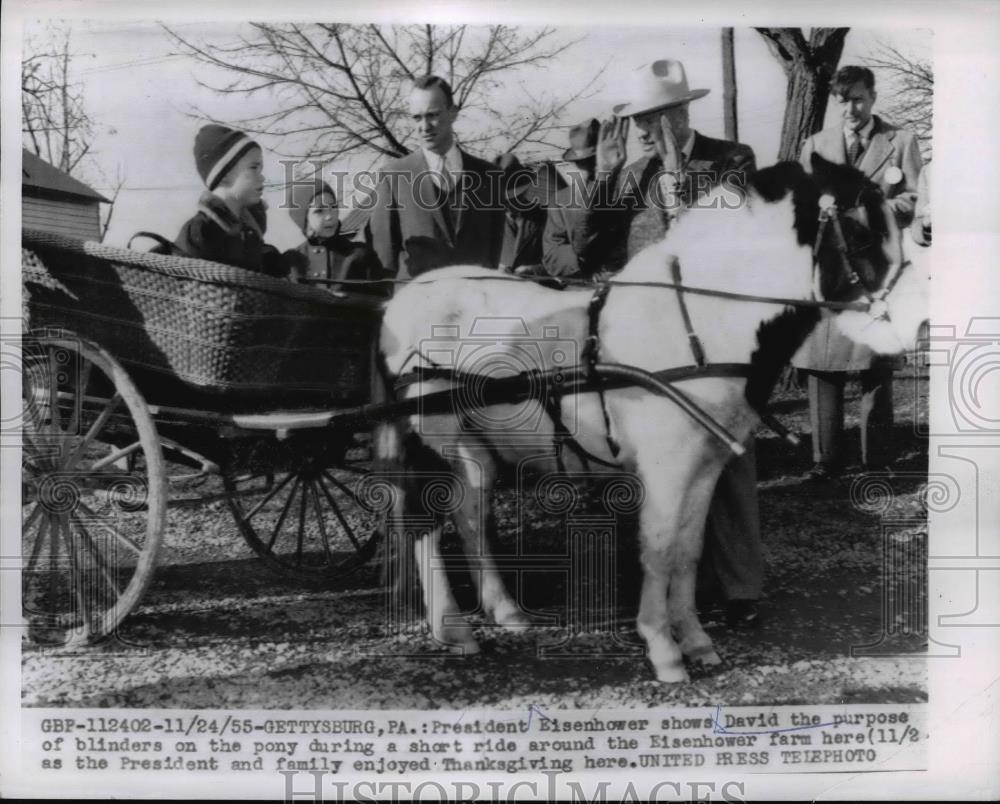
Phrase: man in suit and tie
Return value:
(438, 205)
(633, 207)
(890, 157)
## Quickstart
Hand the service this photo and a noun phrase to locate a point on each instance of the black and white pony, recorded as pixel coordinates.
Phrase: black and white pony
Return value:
(798, 237)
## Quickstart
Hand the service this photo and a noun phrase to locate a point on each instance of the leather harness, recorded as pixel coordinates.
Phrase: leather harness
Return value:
(593, 376)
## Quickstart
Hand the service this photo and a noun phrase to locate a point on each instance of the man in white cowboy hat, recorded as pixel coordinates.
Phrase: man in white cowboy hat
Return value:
(632, 208)
(890, 157)
(562, 246)
(634, 205)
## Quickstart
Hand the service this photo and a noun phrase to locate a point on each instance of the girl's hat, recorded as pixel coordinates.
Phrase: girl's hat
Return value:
(300, 194)
(217, 149)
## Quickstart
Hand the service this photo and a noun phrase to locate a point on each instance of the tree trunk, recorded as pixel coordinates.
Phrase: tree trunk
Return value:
(809, 66)
(729, 86)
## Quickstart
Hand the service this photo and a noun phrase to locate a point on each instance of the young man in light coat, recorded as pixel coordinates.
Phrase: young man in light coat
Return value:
(890, 157)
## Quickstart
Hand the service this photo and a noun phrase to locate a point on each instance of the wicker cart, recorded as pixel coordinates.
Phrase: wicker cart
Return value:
(137, 364)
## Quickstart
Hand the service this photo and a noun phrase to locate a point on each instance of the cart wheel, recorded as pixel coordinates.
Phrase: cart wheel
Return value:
(94, 491)
(305, 519)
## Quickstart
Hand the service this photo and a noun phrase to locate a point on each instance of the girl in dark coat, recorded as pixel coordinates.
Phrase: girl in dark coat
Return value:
(327, 256)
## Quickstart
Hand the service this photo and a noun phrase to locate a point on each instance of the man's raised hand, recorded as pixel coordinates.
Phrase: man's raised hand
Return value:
(611, 149)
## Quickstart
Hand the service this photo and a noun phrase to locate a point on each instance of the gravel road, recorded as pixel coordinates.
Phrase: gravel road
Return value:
(218, 629)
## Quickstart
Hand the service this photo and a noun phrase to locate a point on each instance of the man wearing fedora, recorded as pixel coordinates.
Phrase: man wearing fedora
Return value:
(524, 221)
(890, 157)
(633, 207)
(438, 205)
(563, 247)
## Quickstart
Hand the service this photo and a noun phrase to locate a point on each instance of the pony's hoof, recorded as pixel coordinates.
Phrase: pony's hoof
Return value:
(705, 657)
(514, 620)
(465, 648)
(458, 640)
(672, 674)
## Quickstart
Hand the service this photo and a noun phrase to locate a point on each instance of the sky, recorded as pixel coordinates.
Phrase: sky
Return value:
(144, 101)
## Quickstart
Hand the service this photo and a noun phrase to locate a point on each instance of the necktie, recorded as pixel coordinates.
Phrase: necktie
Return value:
(445, 181)
(446, 185)
(854, 149)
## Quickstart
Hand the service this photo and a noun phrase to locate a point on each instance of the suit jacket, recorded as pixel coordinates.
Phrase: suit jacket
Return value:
(411, 229)
(564, 243)
(525, 247)
(615, 230)
(827, 349)
(888, 147)
(337, 257)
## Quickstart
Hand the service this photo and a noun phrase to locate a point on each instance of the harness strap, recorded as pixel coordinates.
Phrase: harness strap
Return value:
(563, 437)
(696, 348)
(578, 380)
(592, 353)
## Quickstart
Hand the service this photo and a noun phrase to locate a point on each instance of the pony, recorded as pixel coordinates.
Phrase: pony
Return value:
(751, 271)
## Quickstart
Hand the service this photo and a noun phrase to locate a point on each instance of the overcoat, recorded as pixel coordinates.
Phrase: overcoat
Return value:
(889, 147)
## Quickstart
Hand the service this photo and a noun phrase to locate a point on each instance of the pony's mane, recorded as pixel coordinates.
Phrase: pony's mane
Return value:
(776, 182)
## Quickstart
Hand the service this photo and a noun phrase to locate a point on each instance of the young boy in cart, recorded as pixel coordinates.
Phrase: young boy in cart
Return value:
(327, 255)
(229, 224)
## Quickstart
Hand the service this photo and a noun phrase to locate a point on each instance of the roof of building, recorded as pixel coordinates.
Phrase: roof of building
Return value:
(40, 175)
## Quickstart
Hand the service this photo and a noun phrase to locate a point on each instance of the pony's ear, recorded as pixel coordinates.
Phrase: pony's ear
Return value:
(820, 166)
(773, 183)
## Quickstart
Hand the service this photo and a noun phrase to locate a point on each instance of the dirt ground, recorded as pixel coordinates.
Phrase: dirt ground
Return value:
(843, 615)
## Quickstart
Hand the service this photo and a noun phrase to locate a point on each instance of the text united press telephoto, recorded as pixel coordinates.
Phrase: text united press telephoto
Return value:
(475, 411)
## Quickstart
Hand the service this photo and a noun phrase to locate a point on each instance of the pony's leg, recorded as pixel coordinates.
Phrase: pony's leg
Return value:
(671, 523)
(658, 526)
(447, 624)
(653, 622)
(686, 627)
(476, 524)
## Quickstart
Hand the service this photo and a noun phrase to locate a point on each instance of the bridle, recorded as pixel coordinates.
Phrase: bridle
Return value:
(829, 221)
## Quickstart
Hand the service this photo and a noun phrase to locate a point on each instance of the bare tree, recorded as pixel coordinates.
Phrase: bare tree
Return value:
(809, 64)
(116, 188)
(338, 89)
(54, 121)
(908, 95)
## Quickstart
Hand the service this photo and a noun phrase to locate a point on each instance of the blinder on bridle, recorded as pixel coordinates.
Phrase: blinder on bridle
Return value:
(831, 219)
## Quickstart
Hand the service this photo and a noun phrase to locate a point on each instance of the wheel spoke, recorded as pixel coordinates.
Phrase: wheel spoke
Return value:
(81, 388)
(302, 521)
(270, 496)
(284, 513)
(340, 516)
(76, 574)
(347, 490)
(92, 432)
(319, 521)
(98, 555)
(37, 512)
(54, 417)
(117, 455)
(36, 548)
(113, 531)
